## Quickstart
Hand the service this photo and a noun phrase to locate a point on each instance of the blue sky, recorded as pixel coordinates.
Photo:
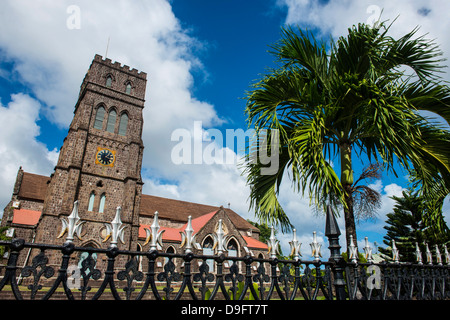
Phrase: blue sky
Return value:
(236, 36)
(201, 56)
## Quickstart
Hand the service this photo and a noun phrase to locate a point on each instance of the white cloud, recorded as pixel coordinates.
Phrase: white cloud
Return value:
(18, 145)
(377, 186)
(51, 60)
(336, 16)
(387, 205)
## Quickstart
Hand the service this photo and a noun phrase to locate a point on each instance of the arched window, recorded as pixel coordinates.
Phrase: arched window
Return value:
(99, 116)
(128, 88)
(169, 249)
(101, 207)
(232, 249)
(123, 124)
(208, 250)
(108, 82)
(111, 121)
(91, 201)
(260, 256)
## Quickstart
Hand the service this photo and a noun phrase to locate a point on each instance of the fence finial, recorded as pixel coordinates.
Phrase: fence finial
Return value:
(72, 225)
(115, 229)
(188, 236)
(352, 251)
(428, 254)
(446, 255)
(395, 253)
(368, 250)
(315, 248)
(219, 239)
(332, 232)
(418, 254)
(295, 245)
(331, 226)
(273, 244)
(438, 255)
(154, 235)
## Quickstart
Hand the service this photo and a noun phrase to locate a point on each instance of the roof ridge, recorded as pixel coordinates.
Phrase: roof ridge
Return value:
(171, 199)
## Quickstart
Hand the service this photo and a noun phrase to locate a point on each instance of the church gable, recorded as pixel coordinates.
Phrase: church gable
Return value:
(205, 228)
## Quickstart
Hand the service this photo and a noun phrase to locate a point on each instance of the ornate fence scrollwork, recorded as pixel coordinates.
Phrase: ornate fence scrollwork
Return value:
(211, 277)
(37, 269)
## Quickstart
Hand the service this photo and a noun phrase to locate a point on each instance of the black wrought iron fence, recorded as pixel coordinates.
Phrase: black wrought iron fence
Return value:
(134, 275)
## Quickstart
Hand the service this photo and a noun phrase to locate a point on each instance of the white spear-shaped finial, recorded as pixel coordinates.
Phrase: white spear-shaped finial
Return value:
(368, 251)
(188, 236)
(154, 235)
(315, 248)
(446, 255)
(72, 225)
(438, 255)
(295, 246)
(273, 244)
(219, 239)
(428, 254)
(395, 253)
(352, 251)
(418, 254)
(115, 229)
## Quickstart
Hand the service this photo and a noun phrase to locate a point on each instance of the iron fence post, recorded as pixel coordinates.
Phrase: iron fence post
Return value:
(332, 232)
(10, 274)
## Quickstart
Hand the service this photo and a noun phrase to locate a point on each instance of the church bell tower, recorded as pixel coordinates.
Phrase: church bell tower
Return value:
(100, 161)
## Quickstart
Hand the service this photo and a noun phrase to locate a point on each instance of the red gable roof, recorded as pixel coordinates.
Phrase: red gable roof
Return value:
(253, 243)
(26, 217)
(173, 234)
(199, 222)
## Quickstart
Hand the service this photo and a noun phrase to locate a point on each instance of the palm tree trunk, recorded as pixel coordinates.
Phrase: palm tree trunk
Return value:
(347, 182)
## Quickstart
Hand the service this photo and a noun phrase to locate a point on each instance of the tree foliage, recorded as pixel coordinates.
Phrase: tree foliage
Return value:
(352, 97)
(3, 237)
(410, 223)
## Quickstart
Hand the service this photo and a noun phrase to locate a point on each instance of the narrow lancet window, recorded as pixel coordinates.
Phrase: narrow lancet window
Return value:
(209, 251)
(101, 207)
(99, 116)
(123, 124)
(111, 121)
(91, 201)
(108, 82)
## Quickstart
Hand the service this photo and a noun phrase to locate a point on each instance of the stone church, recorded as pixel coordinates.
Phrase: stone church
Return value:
(99, 166)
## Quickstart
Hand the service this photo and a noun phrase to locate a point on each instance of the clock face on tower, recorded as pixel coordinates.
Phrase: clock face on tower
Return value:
(105, 157)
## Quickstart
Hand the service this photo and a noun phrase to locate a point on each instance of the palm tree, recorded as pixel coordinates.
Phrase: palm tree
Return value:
(351, 99)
